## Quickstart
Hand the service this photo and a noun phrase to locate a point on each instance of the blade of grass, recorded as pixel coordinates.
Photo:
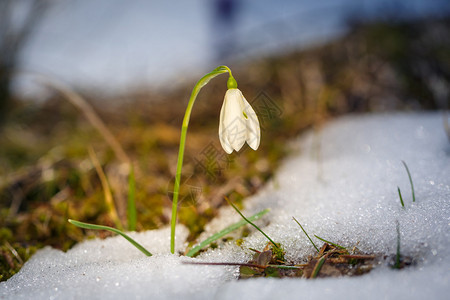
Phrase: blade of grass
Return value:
(323, 240)
(317, 267)
(224, 232)
(106, 189)
(14, 252)
(306, 233)
(410, 181)
(101, 227)
(397, 257)
(131, 208)
(400, 196)
(249, 222)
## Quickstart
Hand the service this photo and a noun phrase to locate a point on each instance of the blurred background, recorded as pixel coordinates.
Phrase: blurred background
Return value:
(114, 46)
(133, 65)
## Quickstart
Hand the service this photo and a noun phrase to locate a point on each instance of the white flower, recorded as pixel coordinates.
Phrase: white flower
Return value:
(238, 123)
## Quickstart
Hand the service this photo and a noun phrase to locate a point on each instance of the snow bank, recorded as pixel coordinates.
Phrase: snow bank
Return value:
(341, 185)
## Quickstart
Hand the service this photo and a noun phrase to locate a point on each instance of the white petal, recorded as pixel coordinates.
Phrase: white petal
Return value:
(252, 123)
(222, 136)
(234, 123)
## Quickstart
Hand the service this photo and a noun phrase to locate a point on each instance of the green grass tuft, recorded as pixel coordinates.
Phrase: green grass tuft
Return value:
(224, 232)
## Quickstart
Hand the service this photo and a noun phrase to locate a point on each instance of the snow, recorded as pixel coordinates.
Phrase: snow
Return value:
(340, 183)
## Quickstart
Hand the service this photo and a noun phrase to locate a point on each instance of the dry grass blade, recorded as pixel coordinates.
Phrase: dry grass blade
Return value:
(98, 124)
(106, 189)
(14, 252)
(88, 112)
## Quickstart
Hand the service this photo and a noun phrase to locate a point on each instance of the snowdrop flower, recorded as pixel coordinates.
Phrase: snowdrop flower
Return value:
(238, 121)
(238, 124)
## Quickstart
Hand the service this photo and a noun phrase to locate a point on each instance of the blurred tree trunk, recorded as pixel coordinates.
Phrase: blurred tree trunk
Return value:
(18, 19)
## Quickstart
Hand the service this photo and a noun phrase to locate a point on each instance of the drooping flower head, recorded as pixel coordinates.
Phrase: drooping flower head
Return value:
(238, 121)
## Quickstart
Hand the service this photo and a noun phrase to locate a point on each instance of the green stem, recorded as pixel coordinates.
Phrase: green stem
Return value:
(131, 209)
(201, 83)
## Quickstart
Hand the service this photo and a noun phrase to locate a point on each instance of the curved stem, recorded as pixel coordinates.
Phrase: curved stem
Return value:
(201, 83)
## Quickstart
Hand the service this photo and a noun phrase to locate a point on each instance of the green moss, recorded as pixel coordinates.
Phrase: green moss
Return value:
(12, 258)
(5, 234)
(239, 242)
(278, 252)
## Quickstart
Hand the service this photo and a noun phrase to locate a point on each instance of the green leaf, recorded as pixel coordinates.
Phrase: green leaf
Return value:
(272, 272)
(101, 227)
(318, 267)
(224, 232)
(246, 272)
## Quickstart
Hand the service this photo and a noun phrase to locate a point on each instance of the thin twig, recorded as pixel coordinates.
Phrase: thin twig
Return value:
(240, 264)
(224, 264)
(357, 256)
